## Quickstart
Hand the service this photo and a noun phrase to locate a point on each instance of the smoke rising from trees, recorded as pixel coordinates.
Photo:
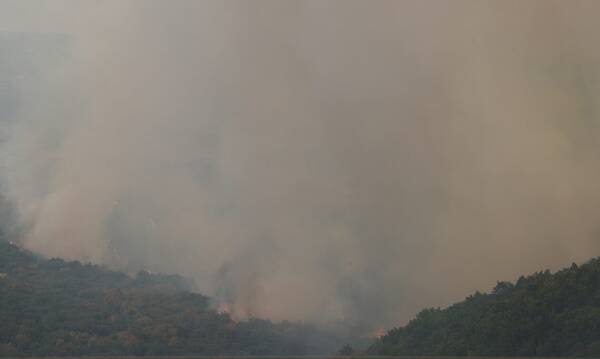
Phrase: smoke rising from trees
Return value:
(314, 160)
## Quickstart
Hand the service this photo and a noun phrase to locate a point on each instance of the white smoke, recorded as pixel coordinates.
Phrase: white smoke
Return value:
(337, 160)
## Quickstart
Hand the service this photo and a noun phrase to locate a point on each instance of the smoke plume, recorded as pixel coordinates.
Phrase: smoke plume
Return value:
(309, 160)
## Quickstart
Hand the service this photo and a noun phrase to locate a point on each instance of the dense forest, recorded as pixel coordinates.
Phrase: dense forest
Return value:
(545, 314)
(60, 308)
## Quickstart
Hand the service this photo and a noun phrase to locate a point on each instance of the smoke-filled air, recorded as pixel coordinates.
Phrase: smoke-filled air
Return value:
(322, 161)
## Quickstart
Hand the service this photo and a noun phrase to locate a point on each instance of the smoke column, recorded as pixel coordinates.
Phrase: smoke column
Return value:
(310, 160)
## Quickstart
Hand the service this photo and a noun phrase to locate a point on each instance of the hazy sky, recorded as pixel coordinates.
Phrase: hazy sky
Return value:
(318, 160)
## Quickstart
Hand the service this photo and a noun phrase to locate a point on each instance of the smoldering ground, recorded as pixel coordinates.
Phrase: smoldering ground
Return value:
(313, 160)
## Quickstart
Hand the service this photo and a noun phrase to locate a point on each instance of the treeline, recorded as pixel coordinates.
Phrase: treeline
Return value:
(59, 308)
(543, 314)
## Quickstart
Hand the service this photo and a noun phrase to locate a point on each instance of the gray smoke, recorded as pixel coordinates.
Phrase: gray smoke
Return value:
(313, 160)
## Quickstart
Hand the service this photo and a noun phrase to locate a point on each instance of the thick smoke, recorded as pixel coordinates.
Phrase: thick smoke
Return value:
(314, 160)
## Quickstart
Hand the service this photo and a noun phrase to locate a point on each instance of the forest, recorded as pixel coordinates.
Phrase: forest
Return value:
(67, 308)
(52, 307)
(544, 314)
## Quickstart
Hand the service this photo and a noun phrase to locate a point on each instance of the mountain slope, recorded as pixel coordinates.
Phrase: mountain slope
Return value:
(543, 314)
(55, 307)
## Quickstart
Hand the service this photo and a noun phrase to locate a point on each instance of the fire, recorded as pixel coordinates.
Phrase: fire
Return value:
(223, 308)
(378, 333)
(234, 313)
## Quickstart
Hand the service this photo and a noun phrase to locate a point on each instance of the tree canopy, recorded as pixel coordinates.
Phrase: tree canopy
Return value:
(61, 308)
(544, 314)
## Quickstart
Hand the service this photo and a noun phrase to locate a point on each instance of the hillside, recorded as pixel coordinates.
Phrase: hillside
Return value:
(545, 314)
(60, 308)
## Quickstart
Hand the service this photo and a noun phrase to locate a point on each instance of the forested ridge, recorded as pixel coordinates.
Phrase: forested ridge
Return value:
(60, 308)
(545, 314)
(52, 307)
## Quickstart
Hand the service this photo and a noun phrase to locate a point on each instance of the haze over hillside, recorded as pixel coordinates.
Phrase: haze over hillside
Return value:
(60, 308)
(312, 160)
(544, 314)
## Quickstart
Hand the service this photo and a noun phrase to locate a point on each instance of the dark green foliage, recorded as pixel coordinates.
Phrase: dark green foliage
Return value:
(59, 308)
(544, 314)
